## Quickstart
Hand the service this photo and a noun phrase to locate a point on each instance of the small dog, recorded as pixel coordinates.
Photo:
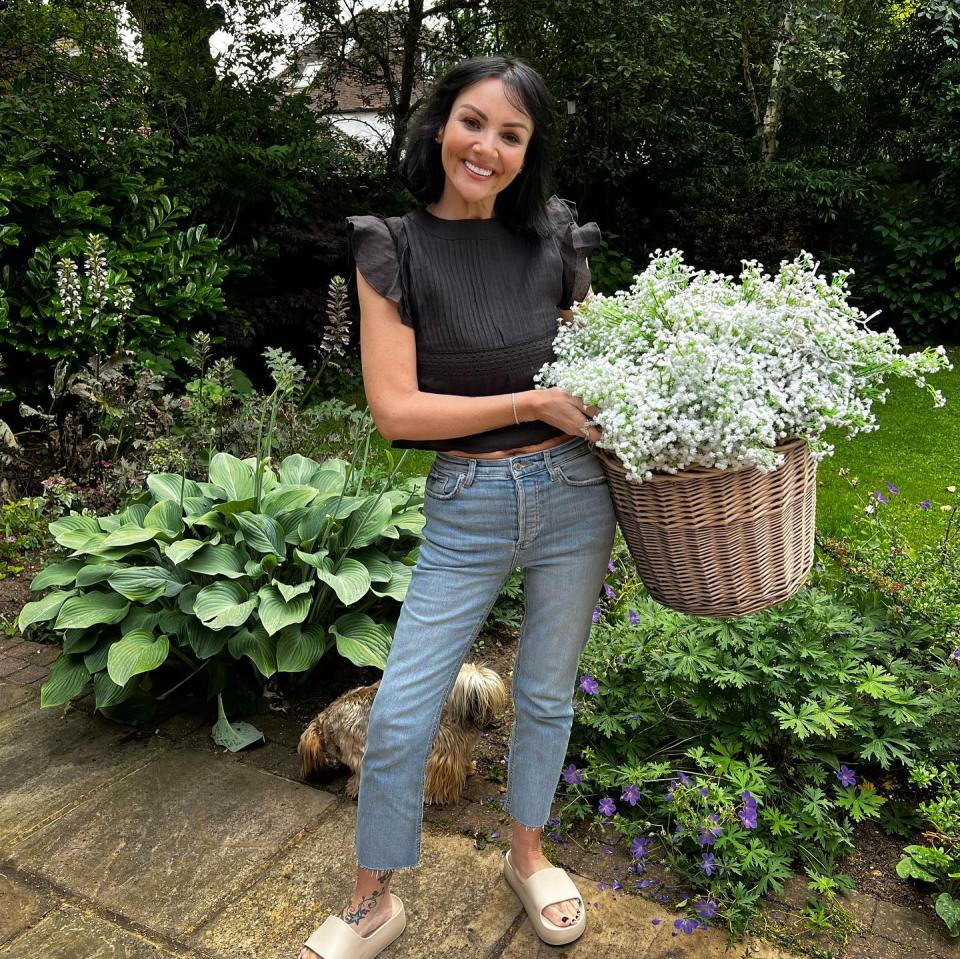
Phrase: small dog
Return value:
(338, 735)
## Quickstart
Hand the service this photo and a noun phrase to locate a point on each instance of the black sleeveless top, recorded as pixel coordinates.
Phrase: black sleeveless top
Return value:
(483, 303)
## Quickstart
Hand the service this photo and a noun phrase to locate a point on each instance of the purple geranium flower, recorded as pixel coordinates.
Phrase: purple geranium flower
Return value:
(704, 791)
(684, 778)
(616, 884)
(639, 847)
(893, 489)
(608, 589)
(707, 837)
(686, 926)
(634, 618)
(589, 685)
(705, 908)
(709, 863)
(611, 567)
(572, 775)
(655, 922)
(925, 504)
(607, 806)
(847, 776)
(956, 654)
(631, 795)
(748, 813)
(596, 614)
(879, 496)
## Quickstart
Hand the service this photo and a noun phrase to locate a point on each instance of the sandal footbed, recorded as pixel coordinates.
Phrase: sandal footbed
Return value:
(538, 891)
(335, 939)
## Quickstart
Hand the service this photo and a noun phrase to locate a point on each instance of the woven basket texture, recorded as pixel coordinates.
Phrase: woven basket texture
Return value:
(712, 542)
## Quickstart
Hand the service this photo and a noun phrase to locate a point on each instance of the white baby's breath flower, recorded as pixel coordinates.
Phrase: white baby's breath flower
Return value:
(691, 367)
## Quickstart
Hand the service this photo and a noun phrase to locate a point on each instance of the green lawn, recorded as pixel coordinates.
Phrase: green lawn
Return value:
(917, 449)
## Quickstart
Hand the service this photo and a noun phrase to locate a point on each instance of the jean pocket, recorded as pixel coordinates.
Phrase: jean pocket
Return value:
(443, 485)
(585, 470)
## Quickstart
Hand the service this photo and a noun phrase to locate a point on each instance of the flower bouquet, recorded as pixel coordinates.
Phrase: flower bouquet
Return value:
(713, 396)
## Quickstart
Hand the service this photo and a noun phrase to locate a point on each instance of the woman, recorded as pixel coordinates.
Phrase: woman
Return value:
(460, 301)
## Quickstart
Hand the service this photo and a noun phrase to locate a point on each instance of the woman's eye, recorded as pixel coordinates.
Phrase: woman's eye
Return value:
(470, 120)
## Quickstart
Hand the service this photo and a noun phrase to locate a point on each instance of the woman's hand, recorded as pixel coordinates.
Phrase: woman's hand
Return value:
(563, 410)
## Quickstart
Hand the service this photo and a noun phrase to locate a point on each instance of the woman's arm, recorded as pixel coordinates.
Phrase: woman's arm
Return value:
(400, 410)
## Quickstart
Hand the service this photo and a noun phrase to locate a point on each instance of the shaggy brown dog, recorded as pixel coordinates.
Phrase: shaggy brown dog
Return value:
(338, 735)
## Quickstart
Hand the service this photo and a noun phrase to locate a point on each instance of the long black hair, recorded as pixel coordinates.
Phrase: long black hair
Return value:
(521, 206)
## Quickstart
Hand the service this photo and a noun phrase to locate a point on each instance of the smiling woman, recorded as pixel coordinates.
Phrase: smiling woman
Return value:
(460, 302)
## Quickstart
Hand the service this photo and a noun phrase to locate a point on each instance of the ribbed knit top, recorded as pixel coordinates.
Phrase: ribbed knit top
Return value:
(482, 300)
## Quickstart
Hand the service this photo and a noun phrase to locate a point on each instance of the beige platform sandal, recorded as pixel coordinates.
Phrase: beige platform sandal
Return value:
(539, 890)
(335, 939)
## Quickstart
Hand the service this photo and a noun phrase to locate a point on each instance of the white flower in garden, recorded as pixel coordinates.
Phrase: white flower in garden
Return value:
(691, 367)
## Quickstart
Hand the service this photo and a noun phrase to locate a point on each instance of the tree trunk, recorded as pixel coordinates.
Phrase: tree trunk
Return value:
(772, 115)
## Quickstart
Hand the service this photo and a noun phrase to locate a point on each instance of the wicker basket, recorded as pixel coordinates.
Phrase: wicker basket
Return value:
(712, 542)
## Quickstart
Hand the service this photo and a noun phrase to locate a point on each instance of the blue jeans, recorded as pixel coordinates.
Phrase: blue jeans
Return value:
(549, 512)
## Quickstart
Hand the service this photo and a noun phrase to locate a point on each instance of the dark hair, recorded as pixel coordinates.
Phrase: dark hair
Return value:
(522, 205)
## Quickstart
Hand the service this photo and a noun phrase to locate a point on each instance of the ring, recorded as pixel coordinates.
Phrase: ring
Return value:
(585, 429)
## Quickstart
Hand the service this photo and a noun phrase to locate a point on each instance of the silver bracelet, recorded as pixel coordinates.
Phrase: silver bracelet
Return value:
(513, 401)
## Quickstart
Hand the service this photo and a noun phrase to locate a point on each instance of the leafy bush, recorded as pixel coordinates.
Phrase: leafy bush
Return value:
(23, 532)
(938, 861)
(273, 568)
(690, 723)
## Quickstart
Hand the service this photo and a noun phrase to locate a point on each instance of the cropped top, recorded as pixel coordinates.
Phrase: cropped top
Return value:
(482, 300)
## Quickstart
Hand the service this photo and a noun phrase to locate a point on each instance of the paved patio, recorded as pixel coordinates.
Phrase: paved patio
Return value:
(114, 844)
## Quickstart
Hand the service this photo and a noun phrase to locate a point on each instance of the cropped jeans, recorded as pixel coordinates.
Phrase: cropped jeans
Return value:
(549, 512)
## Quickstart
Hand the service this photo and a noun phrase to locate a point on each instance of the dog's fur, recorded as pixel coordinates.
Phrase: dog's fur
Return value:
(338, 735)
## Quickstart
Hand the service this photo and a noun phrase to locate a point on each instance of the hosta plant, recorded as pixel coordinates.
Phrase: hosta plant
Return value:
(252, 565)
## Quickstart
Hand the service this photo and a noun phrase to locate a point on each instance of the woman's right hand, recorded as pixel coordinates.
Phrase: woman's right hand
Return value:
(563, 410)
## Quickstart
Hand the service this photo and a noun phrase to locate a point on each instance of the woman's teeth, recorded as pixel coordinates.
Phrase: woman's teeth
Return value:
(479, 170)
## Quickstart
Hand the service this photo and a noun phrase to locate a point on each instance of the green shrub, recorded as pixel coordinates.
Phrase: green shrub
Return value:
(687, 718)
(271, 568)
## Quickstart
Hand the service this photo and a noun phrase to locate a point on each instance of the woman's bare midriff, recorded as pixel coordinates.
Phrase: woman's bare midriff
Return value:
(516, 451)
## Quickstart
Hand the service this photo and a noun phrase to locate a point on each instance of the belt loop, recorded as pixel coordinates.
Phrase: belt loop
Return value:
(548, 462)
(471, 470)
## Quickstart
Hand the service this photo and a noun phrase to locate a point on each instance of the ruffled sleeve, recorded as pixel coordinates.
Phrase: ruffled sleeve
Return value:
(373, 249)
(575, 243)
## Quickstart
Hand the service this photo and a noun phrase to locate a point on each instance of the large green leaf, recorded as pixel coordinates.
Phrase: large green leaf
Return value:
(182, 549)
(257, 646)
(283, 499)
(297, 470)
(396, 588)
(74, 532)
(948, 909)
(275, 612)
(127, 536)
(377, 563)
(262, 533)
(312, 559)
(134, 515)
(44, 609)
(166, 516)
(412, 520)
(98, 572)
(289, 592)
(220, 560)
(82, 612)
(268, 478)
(167, 486)
(232, 475)
(107, 693)
(138, 652)
(224, 604)
(361, 640)
(80, 641)
(144, 584)
(96, 658)
(350, 582)
(66, 679)
(367, 523)
(233, 736)
(203, 641)
(57, 574)
(300, 648)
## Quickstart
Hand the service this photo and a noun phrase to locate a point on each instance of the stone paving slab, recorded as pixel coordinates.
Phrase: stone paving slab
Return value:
(13, 695)
(50, 763)
(622, 924)
(20, 906)
(68, 933)
(456, 903)
(168, 844)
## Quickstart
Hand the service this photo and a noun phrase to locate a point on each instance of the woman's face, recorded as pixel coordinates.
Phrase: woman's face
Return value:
(485, 130)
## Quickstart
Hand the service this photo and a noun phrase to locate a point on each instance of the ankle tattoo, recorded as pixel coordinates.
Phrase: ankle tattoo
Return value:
(368, 902)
